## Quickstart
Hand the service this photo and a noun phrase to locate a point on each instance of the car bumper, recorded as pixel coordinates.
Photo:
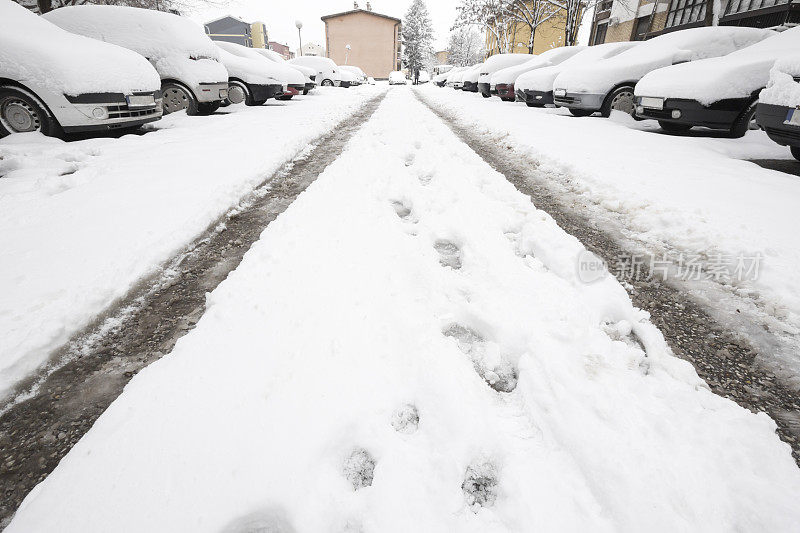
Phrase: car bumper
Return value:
(539, 98)
(309, 86)
(773, 119)
(586, 101)
(104, 112)
(211, 92)
(484, 88)
(294, 89)
(506, 91)
(344, 84)
(265, 92)
(471, 86)
(719, 115)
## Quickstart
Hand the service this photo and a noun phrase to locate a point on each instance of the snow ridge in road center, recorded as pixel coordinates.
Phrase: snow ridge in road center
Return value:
(408, 348)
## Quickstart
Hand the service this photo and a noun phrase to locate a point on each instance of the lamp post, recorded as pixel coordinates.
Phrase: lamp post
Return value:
(347, 53)
(299, 26)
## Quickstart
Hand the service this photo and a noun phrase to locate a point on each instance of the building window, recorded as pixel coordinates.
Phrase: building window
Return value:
(685, 12)
(642, 25)
(600, 33)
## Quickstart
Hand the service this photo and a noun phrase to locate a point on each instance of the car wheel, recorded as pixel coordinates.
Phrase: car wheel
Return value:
(238, 93)
(259, 102)
(285, 97)
(580, 112)
(795, 152)
(19, 113)
(177, 98)
(672, 127)
(486, 95)
(533, 104)
(305, 92)
(207, 108)
(745, 121)
(620, 99)
(327, 83)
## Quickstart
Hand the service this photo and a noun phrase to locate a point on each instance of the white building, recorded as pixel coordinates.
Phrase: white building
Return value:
(312, 49)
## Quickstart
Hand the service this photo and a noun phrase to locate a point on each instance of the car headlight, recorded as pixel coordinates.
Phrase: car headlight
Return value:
(676, 113)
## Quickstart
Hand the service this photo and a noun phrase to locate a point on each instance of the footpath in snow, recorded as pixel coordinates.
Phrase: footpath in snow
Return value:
(690, 199)
(82, 222)
(408, 348)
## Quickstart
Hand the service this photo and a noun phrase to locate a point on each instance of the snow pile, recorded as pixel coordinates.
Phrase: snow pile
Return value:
(340, 380)
(82, 222)
(278, 71)
(553, 56)
(782, 89)
(737, 75)
(671, 194)
(661, 51)
(176, 46)
(499, 62)
(247, 69)
(542, 79)
(38, 54)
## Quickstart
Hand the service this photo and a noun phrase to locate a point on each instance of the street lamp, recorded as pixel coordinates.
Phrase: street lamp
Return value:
(347, 53)
(299, 26)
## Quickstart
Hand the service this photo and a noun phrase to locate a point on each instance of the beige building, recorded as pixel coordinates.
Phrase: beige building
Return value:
(442, 57)
(259, 35)
(550, 34)
(365, 39)
(627, 20)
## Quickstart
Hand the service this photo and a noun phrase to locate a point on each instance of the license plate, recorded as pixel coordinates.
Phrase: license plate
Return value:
(793, 117)
(145, 100)
(652, 103)
(560, 92)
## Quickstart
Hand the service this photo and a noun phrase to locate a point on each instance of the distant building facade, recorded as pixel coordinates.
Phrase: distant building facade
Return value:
(442, 57)
(259, 35)
(550, 34)
(373, 40)
(230, 29)
(282, 49)
(312, 49)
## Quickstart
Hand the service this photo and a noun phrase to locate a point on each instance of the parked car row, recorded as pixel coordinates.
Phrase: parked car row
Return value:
(722, 78)
(101, 68)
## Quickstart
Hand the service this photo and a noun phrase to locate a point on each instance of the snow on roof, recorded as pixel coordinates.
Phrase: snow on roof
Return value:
(38, 54)
(357, 11)
(679, 46)
(781, 88)
(736, 75)
(154, 34)
(542, 79)
(550, 57)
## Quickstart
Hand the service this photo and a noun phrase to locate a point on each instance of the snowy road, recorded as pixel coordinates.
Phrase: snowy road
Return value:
(409, 347)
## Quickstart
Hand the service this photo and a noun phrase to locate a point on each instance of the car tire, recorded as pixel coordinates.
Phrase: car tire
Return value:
(327, 83)
(305, 92)
(259, 102)
(533, 104)
(19, 113)
(580, 112)
(620, 99)
(672, 127)
(743, 122)
(486, 95)
(208, 108)
(240, 91)
(177, 97)
(795, 152)
(285, 97)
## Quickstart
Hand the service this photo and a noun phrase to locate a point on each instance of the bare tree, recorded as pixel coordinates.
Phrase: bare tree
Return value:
(486, 14)
(465, 47)
(572, 11)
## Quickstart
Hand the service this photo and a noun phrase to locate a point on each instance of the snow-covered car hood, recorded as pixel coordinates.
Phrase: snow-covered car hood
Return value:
(247, 69)
(451, 75)
(472, 74)
(278, 71)
(541, 79)
(347, 76)
(175, 45)
(550, 57)
(37, 53)
(677, 47)
(782, 88)
(736, 75)
(499, 62)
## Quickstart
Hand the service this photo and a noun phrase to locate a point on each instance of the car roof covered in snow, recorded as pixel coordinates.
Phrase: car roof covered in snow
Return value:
(37, 53)
(279, 71)
(782, 89)
(542, 79)
(275, 57)
(247, 69)
(354, 69)
(473, 73)
(314, 61)
(736, 75)
(549, 57)
(661, 51)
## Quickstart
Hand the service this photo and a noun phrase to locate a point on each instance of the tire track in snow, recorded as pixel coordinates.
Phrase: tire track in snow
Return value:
(722, 358)
(54, 409)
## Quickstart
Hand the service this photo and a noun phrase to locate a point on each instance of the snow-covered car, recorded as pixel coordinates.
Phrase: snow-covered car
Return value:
(308, 73)
(535, 88)
(502, 82)
(492, 65)
(192, 77)
(440, 79)
(53, 81)
(251, 80)
(424, 77)
(348, 78)
(361, 77)
(719, 93)
(292, 81)
(397, 78)
(469, 80)
(778, 111)
(451, 76)
(609, 84)
(328, 74)
(370, 80)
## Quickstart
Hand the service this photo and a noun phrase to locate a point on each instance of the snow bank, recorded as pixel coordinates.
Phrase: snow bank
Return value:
(82, 222)
(662, 51)
(554, 56)
(38, 54)
(676, 194)
(782, 89)
(542, 79)
(176, 46)
(339, 381)
(737, 75)
(279, 71)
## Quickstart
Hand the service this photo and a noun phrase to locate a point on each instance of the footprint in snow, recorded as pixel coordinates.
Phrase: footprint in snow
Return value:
(494, 369)
(406, 419)
(449, 254)
(401, 209)
(359, 468)
(480, 485)
(270, 520)
(408, 159)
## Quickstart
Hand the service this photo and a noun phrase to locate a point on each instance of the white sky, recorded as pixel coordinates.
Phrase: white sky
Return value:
(281, 16)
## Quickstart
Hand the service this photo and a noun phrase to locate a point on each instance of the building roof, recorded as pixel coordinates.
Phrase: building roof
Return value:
(354, 11)
(237, 19)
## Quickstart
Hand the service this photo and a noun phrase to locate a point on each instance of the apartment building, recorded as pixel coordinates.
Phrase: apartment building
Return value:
(282, 49)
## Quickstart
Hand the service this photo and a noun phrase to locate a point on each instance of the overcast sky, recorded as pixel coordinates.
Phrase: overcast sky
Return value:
(281, 16)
